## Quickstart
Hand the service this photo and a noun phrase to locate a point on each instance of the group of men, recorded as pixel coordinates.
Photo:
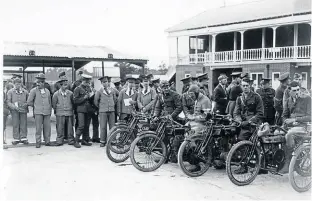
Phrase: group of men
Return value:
(289, 104)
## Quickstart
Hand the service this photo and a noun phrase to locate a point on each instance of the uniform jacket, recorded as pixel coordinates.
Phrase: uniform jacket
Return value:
(83, 105)
(220, 97)
(13, 96)
(40, 101)
(205, 91)
(202, 102)
(278, 99)
(168, 104)
(301, 109)
(62, 103)
(105, 102)
(147, 100)
(249, 109)
(125, 94)
(234, 91)
(267, 96)
(75, 84)
(188, 104)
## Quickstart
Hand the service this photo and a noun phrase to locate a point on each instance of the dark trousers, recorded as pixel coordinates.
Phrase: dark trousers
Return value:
(64, 124)
(5, 117)
(246, 133)
(106, 117)
(43, 122)
(95, 125)
(84, 120)
(19, 121)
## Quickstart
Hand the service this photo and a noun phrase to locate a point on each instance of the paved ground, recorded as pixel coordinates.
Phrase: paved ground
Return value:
(67, 173)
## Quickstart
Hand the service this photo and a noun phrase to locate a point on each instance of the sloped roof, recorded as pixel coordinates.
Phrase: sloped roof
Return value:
(63, 50)
(246, 12)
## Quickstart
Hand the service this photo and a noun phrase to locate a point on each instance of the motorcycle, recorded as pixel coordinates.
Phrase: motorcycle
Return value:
(151, 149)
(208, 148)
(266, 150)
(119, 141)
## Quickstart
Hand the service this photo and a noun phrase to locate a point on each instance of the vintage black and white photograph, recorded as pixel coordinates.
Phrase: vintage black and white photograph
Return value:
(155, 100)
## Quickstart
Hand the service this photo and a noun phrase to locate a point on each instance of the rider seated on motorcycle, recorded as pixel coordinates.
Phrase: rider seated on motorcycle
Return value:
(248, 109)
(168, 104)
(194, 104)
(296, 113)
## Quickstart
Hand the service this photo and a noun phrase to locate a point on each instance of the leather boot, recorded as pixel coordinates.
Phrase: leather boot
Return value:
(84, 142)
(76, 144)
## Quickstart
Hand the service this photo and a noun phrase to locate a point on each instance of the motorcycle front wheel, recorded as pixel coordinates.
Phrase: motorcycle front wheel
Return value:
(148, 152)
(243, 163)
(120, 141)
(116, 158)
(300, 168)
(192, 162)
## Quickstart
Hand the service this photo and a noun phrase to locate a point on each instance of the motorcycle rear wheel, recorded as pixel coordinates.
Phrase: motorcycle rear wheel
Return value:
(238, 156)
(187, 158)
(301, 158)
(116, 158)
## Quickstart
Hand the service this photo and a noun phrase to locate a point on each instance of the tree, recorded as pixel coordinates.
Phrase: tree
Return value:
(162, 68)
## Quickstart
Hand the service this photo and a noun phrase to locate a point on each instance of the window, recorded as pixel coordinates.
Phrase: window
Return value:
(257, 77)
(200, 43)
(275, 81)
(304, 80)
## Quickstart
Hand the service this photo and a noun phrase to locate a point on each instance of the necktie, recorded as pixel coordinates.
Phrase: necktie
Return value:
(106, 91)
(145, 91)
(130, 93)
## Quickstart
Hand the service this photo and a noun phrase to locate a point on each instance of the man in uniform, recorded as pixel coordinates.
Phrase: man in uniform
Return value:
(296, 114)
(248, 108)
(105, 99)
(234, 90)
(146, 97)
(127, 99)
(186, 84)
(72, 88)
(203, 84)
(156, 87)
(94, 115)
(267, 95)
(62, 103)
(194, 80)
(40, 99)
(278, 99)
(82, 99)
(17, 102)
(220, 95)
(169, 104)
(57, 86)
(117, 86)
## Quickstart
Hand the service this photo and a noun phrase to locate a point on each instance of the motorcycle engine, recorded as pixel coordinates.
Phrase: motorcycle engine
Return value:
(275, 156)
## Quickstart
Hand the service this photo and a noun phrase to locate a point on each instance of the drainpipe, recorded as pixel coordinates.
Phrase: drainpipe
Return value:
(267, 71)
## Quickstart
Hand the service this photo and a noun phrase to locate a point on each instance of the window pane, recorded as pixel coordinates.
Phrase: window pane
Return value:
(254, 76)
(276, 76)
(259, 79)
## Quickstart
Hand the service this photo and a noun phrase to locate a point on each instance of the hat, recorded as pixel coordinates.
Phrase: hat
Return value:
(129, 77)
(62, 74)
(194, 78)
(156, 80)
(62, 79)
(41, 76)
(85, 76)
(145, 77)
(244, 75)
(186, 80)
(164, 82)
(117, 83)
(221, 77)
(80, 72)
(265, 80)
(284, 76)
(17, 75)
(247, 79)
(150, 76)
(203, 76)
(236, 74)
(17, 80)
(101, 78)
(297, 76)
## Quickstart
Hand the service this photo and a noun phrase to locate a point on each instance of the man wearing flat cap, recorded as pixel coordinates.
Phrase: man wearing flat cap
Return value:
(17, 103)
(62, 75)
(278, 99)
(186, 84)
(267, 94)
(62, 103)
(127, 98)
(234, 90)
(105, 99)
(40, 99)
(146, 97)
(220, 95)
(83, 95)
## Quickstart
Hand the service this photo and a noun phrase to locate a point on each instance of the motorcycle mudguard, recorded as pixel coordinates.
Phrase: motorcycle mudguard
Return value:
(146, 132)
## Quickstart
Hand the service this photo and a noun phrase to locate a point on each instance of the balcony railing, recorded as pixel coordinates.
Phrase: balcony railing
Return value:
(277, 53)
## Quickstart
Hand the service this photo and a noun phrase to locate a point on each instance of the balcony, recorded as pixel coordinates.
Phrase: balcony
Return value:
(248, 55)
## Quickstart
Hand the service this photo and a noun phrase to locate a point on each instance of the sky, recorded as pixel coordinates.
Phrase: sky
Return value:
(135, 27)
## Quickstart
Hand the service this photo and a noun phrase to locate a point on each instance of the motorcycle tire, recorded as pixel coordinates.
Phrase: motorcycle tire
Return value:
(143, 140)
(231, 156)
(120, 147)
(115, 128)
(116, 158)
(302, 152)
(184, 154)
